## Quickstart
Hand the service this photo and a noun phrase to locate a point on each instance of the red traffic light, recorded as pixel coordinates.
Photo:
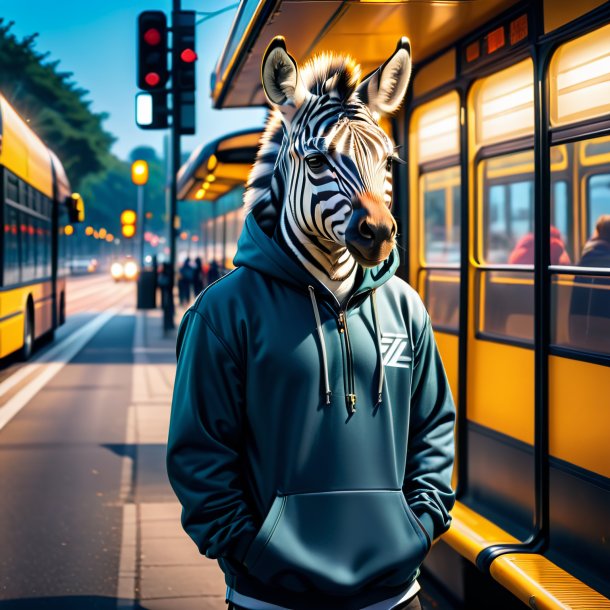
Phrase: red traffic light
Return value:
(152, 50)
(188, 56)
(152, 36)
(152, 79)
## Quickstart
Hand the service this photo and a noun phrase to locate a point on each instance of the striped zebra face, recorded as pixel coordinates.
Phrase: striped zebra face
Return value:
(335, 161)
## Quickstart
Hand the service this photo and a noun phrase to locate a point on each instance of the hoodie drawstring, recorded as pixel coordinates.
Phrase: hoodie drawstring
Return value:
(379, 353)
(316, 313)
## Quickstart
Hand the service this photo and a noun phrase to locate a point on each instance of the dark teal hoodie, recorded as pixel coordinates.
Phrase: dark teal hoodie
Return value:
(308, 500)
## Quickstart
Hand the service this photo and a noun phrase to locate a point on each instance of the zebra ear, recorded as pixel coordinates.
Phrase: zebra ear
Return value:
(384, 90)
(280, 75)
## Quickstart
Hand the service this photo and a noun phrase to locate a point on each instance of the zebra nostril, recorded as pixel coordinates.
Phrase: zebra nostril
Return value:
(365, 230)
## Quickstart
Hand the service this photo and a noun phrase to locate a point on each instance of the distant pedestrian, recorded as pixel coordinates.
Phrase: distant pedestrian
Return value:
(213, 272)
(185, 281)
(164, 281)
(198, 278)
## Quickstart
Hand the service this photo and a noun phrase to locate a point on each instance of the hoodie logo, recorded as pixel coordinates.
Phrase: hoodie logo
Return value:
(393, 350)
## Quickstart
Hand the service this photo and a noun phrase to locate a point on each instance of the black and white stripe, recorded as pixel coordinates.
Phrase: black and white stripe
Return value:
(316, 156)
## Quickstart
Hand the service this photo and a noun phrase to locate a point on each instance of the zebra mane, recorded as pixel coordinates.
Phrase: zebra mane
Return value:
(327, 73)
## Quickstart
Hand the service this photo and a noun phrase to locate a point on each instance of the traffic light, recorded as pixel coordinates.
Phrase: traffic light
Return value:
(184, 59)
(152, 111)
(139, 172)
(152, 50)
(183, 50)
(128, 223)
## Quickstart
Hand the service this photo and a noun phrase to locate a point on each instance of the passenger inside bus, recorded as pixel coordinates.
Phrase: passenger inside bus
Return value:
(523, 252)
(590, 304)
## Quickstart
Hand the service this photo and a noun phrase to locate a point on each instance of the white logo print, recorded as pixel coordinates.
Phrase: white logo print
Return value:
(393, 348)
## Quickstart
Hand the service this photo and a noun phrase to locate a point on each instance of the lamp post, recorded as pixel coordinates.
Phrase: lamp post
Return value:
(139, 176)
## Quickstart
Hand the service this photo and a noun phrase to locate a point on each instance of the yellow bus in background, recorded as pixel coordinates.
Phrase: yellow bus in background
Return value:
(36, 205)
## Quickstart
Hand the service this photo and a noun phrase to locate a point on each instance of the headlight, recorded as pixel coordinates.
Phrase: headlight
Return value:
(116, 270)
(131, 270)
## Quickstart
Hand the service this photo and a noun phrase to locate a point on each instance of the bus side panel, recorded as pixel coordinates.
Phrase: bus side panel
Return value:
(448, 348)
(501, 388)
(579, 421)
(12, 306)
(43, 308)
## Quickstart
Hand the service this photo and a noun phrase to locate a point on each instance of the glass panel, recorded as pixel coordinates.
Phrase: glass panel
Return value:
(580, 203)
(508, 209)
(598, 199)
(442, 298)
(561, 222)
(580, 78)
(506, 305)
(581, 312)
(441, 216)
(438, 128)
(11, 246)
(504, 104)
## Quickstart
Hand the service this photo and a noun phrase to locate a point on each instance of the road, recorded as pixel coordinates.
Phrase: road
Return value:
(61, 462)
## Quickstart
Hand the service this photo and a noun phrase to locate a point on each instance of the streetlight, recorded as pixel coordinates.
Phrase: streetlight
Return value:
(139, 176)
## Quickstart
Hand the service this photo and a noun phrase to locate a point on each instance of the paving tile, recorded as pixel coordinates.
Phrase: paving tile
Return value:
(181, 581)
(174, 552)
(163, 528)
(158, 511)
(186, 603)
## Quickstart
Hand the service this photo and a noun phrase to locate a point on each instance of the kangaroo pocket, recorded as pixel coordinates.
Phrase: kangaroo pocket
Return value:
(338, 542)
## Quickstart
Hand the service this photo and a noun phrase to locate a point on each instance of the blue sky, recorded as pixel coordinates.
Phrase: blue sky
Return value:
(96, 41)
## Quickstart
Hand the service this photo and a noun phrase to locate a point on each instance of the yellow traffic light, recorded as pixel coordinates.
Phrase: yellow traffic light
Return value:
(128, 223)
(139, 172)
(128, 217)
(128, 230)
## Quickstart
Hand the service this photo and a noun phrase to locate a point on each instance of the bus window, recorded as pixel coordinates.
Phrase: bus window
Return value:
(441, 199)
(11, 246)
(440, 233)
(581, 301)
(508, 209)
(598, 198)
(560, 215)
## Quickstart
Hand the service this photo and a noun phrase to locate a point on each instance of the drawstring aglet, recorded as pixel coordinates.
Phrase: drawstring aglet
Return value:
(351, 403)
(379, 398)
(328, 395)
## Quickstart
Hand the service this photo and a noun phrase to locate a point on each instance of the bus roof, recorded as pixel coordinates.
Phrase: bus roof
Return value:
(221, 165)
(23, 152)
(366, 29)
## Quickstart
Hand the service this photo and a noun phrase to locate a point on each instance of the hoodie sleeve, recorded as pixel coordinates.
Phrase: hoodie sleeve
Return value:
(427, 484)
(205, 441)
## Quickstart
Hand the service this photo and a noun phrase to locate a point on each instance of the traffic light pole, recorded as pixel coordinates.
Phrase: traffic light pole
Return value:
(175, 166)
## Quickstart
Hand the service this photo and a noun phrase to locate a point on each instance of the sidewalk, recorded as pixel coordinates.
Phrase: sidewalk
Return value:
(161, 568)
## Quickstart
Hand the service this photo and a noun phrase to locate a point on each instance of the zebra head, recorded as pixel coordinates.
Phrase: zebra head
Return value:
(333, 167)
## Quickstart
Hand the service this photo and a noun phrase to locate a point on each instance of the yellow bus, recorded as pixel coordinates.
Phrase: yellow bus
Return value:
(506, 132)
(37, 204)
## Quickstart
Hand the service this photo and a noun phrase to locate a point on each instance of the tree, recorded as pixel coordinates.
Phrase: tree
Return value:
(54, 106)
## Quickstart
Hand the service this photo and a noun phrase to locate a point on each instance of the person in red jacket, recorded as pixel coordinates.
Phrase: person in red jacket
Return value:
(523, 252)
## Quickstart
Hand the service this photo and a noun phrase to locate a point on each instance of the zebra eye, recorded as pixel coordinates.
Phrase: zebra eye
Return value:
(317, 162)
(388, 164)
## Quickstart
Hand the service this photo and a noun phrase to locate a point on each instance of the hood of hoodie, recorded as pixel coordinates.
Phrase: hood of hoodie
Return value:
(257, 251)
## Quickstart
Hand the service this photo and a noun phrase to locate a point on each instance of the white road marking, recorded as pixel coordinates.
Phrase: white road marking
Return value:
(51, 362)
